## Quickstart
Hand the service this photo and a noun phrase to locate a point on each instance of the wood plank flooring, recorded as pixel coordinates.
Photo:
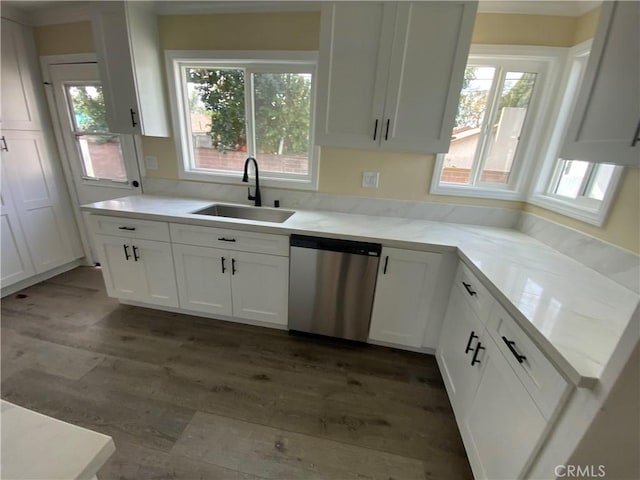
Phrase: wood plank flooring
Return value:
(191, 398)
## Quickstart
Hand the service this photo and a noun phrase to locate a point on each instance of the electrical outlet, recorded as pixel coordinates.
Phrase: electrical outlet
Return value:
(370, 179)
(151, 162)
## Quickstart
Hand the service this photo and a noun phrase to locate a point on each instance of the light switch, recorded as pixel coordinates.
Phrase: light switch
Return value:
(370, 179)
(151, 162)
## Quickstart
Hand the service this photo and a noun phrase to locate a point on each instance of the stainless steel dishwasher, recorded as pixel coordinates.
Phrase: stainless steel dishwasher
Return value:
(331, 286)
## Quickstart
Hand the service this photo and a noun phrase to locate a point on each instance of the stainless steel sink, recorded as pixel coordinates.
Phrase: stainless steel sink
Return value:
(248, 213)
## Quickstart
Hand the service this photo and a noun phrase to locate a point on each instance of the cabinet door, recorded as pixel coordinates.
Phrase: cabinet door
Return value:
(462, 332)
(15, 260)
(503, 418)
(122, 276)
(605, 123)
(355, 43)
(260, 286)
(404, 289)
(155, 261)
(203, 278)
(38, 192)
(127, 46)
(19, 106)
(430, 50)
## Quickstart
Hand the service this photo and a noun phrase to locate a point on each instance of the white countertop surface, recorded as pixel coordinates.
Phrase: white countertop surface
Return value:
(36, 446)
(574, 314)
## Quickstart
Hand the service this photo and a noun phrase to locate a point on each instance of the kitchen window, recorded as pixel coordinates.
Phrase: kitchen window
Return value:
(493, 140)
(232, 105)
(575, 188)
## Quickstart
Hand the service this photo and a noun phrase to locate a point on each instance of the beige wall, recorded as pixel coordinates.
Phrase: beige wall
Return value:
(402, 176)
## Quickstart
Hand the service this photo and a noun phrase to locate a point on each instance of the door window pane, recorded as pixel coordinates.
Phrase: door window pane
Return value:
(507, 127)
(217, 118)
(458, 163)
(282, 103)
(100, 151)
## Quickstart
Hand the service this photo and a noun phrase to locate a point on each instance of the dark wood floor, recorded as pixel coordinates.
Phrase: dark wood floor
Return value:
(185, 397)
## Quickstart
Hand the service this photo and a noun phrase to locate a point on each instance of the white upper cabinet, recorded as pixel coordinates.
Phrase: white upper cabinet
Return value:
(605, 124)
(130, 63)
(19, 105)
(390, 74)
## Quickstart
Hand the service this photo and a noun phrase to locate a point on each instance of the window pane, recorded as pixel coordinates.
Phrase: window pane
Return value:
(101, 157)
(505, 132)
(571, 178)
(282, 103)
(87, 108)
(599, 181)
(458, 162)
(217, 118)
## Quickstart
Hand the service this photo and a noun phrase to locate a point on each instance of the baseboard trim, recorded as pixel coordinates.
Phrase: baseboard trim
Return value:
(40, 277)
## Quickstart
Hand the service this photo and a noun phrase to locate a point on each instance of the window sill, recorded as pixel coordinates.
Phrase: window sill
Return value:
(475, 192)
(568, 208)
(236, 179)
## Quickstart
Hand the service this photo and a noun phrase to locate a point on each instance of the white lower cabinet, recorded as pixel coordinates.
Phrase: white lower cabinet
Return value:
(404, 292)
(137, 269)
(244, 285)
(494, 376)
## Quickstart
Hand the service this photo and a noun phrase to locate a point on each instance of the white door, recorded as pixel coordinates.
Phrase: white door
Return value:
(15, 261)
(260, 287)
(204, 279)
(405, 286)
(44, 210)
(122, 276)
(103, 164)
(462, 333)
(156, 262)
(503, 418)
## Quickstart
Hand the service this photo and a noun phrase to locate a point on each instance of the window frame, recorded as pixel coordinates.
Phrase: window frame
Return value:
(546, 63)
(251, 62)
(581, 208)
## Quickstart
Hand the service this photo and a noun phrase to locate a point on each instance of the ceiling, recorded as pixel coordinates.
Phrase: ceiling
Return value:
(43, 12)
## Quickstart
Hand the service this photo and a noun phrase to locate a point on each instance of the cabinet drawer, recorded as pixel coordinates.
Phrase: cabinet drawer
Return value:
(230, 239)
(130, 228)
(474, 292)
(545, 385)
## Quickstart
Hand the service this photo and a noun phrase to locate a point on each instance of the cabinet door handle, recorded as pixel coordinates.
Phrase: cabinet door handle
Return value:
(126, 252)
(130, 229)
(136, 257)
(475, 360)
(233, 266)
(133, 117)
(4, 144)
(511, 345)
(386, 263)
(467, 286)
(222, 263)
(375, 130)
(471, 337)
(386, 133)
(223, 239)
(634, 142)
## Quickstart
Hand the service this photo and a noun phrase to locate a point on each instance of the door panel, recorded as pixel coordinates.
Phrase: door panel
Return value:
(202, 285)
(122, 276)
(156, 262)
(15, 261)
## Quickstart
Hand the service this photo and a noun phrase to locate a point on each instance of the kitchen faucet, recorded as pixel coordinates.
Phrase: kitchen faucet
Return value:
(245, 178)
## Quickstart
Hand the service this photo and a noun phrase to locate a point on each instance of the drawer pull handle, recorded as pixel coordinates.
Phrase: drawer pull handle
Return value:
(386, 264)
(136, 257)
(223, 239)
(510, 344)
(475, 360)
(468, 287)
(130, 229)
(471, 337)
(233, 266)
(126, 252)
(224, 269)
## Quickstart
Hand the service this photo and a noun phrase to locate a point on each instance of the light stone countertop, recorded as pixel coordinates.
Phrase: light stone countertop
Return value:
(574, 314)
(35, 446)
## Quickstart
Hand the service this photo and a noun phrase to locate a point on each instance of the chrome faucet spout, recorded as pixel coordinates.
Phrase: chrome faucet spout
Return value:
(245, 178)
